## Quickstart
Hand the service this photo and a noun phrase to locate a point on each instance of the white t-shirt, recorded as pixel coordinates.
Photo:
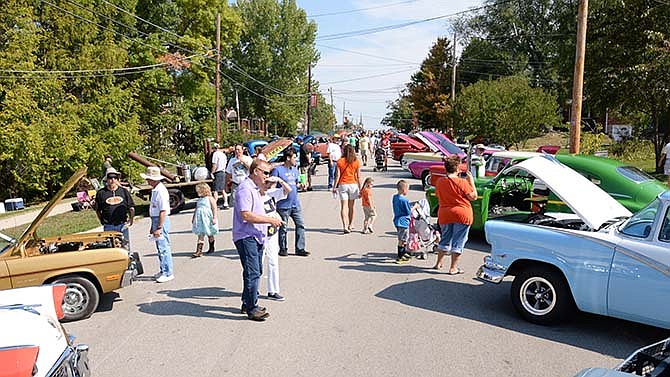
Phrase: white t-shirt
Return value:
(334, 151)
(364, 143)
(270, 199)
(666, 150)
(237, 170)
(160, 200)
(219, 158)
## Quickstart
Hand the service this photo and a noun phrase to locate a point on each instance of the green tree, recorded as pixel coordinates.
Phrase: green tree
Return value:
(429, 89)
(628, 63)
(400, 113)
(507, 111)
(271, 60)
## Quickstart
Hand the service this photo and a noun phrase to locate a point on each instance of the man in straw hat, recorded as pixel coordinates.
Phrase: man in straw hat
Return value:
(114, 205)
(159, 211)
(250, 225)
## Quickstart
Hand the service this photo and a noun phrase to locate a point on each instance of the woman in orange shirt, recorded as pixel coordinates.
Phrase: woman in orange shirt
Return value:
(347, 185)
(454, 194)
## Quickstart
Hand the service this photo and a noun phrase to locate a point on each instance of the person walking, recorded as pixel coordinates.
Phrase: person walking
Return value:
(159, 211)
(204, 220)
(402, 210)
(237, 170)
(368, 205)
(219, 163)
(305, 161)
(347, 185)
(290, 207)
(334, 154)
(454, 194)
(272, 194)
(364, 147)
(114, 206)
(250, 225)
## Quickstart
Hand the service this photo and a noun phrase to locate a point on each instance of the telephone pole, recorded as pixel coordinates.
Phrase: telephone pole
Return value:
(453, 72)
(309, 95)
(218, 79)
(578, 82)
(331, 105)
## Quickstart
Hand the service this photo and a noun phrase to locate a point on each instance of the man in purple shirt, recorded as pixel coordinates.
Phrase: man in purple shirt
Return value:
(249, 231)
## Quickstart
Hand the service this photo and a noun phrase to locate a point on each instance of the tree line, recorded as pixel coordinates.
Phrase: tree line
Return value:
(514, 76)
(83, 78)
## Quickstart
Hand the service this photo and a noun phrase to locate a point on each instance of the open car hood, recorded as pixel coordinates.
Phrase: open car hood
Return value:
(50, 206)
(588, 201)
(429, 143)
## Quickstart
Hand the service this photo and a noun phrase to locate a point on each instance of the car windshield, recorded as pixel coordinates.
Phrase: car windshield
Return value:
(634, 174)
(5, 242)
(639, 225)
(448, 145)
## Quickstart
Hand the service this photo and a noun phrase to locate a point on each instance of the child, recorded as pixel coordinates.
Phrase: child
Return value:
(271, 195)
(401, 213)
(368, 205)
(204, 219)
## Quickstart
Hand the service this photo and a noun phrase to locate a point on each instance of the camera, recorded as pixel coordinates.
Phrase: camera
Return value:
(463, 174)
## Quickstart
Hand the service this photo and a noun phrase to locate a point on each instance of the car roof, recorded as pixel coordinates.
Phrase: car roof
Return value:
(515, 154)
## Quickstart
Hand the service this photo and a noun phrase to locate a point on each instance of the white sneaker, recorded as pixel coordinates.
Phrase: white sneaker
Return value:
(157, 275)
(164, 278)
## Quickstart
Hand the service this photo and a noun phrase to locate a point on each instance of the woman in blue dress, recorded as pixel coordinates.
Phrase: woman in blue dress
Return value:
(204, 219)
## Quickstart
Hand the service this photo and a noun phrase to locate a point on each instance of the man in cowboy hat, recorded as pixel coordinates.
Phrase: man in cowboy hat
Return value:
(114, 205)
(159, 211)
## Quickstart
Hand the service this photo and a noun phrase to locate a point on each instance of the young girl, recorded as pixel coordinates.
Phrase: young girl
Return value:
(204, 219)
(368, 205)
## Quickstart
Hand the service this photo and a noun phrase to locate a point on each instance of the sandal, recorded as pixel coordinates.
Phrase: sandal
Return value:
(457, 272)
(346, 231)
(437, 267)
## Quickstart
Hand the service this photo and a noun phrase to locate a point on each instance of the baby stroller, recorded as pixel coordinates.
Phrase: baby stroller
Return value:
(380, 160)
(422, 235)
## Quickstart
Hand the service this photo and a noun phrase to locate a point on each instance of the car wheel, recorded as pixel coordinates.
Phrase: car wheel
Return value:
(425, 180)
(81, 297)
(541, 295)
(176, 200)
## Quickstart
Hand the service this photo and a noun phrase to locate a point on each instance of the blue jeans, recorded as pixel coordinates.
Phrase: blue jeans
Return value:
(123, 228)
(251, 257)
(454, 237)
(332, 167)
(163, 246)
(298, 220)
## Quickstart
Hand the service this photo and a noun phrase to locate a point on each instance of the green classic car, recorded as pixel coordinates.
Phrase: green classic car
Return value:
(508, 194)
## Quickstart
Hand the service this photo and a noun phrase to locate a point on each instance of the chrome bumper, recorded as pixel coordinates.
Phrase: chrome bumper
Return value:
(73, 362)
(491, 272)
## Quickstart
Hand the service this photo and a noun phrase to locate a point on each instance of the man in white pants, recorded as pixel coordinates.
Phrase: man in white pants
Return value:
(271, 194)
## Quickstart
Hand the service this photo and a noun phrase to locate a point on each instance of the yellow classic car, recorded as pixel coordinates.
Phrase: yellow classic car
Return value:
(90, 264)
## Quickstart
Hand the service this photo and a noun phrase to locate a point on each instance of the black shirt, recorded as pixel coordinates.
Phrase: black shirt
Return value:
(113, 205)
(304, 155)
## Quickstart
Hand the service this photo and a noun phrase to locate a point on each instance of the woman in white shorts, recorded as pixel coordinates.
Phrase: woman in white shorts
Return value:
(347, 185)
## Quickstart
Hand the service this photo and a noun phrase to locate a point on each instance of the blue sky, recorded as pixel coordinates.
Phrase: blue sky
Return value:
(399, 51)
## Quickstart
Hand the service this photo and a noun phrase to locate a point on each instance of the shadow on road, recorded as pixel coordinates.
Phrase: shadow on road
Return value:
(107, 301)
(207, 293)
(490, 304)
(172, 308)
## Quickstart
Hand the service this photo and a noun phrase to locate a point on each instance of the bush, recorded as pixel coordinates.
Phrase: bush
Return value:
(632, 150)
(591, 143)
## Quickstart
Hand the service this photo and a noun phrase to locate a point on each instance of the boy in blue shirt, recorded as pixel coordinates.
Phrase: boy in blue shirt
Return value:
(402, 210)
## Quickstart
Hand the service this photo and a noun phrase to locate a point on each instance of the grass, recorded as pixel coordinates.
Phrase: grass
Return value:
(72, 222)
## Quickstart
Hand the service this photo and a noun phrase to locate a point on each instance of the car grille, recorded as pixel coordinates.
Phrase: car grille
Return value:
(72, 363)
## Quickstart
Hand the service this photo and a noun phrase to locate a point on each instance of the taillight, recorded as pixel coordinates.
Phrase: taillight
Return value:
(59, 294)
(18, 361)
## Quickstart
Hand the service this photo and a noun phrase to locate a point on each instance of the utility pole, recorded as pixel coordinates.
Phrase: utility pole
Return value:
(331, 104)
(453, 72)
(309, 95)
(344, 105)
(218, 79)
(578, 82)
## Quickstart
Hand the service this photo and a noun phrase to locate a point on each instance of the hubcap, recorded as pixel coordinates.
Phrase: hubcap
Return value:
(76, 298)
(538, 296)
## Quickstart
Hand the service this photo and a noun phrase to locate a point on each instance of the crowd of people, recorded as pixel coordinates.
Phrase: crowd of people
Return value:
(264, 196)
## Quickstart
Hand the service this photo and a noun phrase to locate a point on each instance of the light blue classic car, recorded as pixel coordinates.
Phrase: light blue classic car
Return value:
(601, 259)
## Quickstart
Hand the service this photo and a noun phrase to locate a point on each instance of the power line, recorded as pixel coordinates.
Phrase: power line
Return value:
(361, 9)
(356, 33)
(368, 77)
(366, 54)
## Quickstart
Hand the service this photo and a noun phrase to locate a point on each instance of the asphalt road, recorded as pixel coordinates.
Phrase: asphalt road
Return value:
(350, 311)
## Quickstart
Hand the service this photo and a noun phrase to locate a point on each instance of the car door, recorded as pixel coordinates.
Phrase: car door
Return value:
(639, 285)
(5, 280)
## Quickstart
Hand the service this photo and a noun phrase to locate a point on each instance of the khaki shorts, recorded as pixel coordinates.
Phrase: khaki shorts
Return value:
(369, 212)
(348, 191)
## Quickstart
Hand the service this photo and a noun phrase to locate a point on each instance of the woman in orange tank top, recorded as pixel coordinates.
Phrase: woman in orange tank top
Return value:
(454, 194)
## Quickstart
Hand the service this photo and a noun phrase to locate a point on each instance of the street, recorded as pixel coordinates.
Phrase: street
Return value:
(349, 310)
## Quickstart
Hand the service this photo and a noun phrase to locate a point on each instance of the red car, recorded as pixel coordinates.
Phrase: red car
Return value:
(402, 143)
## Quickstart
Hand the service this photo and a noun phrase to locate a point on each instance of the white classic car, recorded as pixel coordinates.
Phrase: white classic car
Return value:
(32, 341)
(599, 260)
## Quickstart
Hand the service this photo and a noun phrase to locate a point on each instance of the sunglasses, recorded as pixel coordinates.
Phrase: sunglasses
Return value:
(112, 177)
(267, 173)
